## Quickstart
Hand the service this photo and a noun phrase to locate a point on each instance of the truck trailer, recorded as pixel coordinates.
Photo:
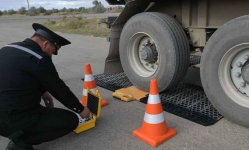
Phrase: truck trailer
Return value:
(154, 39)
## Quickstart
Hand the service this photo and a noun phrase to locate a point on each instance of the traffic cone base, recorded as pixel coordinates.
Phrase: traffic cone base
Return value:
(104, 103)
(154, 140)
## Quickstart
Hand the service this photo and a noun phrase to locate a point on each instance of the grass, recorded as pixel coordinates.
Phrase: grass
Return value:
(14, 15)
(78, 25)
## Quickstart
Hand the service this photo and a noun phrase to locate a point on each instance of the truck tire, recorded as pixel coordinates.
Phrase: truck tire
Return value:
(153, 45)
(221, 64)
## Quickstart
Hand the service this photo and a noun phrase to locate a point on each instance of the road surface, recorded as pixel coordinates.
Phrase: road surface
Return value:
(118, 120)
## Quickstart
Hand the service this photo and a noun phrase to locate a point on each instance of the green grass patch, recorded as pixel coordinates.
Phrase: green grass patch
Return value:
(78, 25)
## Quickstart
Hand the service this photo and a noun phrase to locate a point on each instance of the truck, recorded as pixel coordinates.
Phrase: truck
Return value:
(154, 39)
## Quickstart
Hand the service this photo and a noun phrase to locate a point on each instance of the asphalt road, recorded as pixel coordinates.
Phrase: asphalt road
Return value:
(118, 120)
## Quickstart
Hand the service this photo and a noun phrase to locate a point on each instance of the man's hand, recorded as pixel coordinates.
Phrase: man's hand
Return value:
(85, 113)
(48, 100)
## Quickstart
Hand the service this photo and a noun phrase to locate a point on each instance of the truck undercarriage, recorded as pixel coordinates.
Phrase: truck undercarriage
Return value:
(154, 39)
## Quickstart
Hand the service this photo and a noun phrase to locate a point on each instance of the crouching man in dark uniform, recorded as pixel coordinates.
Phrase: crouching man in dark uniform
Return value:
(27, 73)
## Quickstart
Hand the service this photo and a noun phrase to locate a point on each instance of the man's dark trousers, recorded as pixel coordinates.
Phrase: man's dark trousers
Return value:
(38, 125)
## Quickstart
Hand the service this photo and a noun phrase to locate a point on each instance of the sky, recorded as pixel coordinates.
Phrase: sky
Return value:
(47, 4)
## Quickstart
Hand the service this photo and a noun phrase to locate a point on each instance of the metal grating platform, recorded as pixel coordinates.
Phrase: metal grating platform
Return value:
(189, 102)
(113, 82)
(184, 100)
(195, 59)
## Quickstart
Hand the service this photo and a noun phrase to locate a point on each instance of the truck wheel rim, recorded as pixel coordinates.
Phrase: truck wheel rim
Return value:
(230, 74)
(143, 54)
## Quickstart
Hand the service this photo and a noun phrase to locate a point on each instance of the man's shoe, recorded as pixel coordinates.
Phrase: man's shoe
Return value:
(13, 146)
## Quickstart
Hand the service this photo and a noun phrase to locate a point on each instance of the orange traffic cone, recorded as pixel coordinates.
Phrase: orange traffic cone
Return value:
(90, 83)
(154, 130)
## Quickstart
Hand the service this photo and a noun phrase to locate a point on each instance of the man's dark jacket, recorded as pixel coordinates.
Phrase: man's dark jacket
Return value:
(25, 75)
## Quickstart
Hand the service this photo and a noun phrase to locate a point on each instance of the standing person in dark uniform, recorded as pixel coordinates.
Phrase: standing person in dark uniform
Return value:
(28, 74)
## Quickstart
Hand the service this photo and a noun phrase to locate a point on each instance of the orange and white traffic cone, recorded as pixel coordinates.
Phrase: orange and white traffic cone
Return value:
(90, 83)
(154, 130)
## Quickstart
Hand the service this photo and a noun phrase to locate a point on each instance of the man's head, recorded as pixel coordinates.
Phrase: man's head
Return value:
(49, 41)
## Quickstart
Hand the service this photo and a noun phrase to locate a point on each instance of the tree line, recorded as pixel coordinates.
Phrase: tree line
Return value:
(33, 11)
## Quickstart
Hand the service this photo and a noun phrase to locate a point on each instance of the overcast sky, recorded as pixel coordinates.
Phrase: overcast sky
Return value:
(47, 4)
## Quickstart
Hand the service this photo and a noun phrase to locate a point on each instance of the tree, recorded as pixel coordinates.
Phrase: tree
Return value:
(83, 10)
(96, 3)
(41, 10)
(55, 10)
(5, 12)
(47, 12)
(90, 9)
(98, 7)
(64, 9)
(70, 10)
(11, 12)
(1, 13)
(32, 11)
(22, 10)
(77, 10)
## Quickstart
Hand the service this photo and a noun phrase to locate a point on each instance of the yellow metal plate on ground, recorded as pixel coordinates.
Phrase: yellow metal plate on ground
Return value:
(122, 96)
(129, 94)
